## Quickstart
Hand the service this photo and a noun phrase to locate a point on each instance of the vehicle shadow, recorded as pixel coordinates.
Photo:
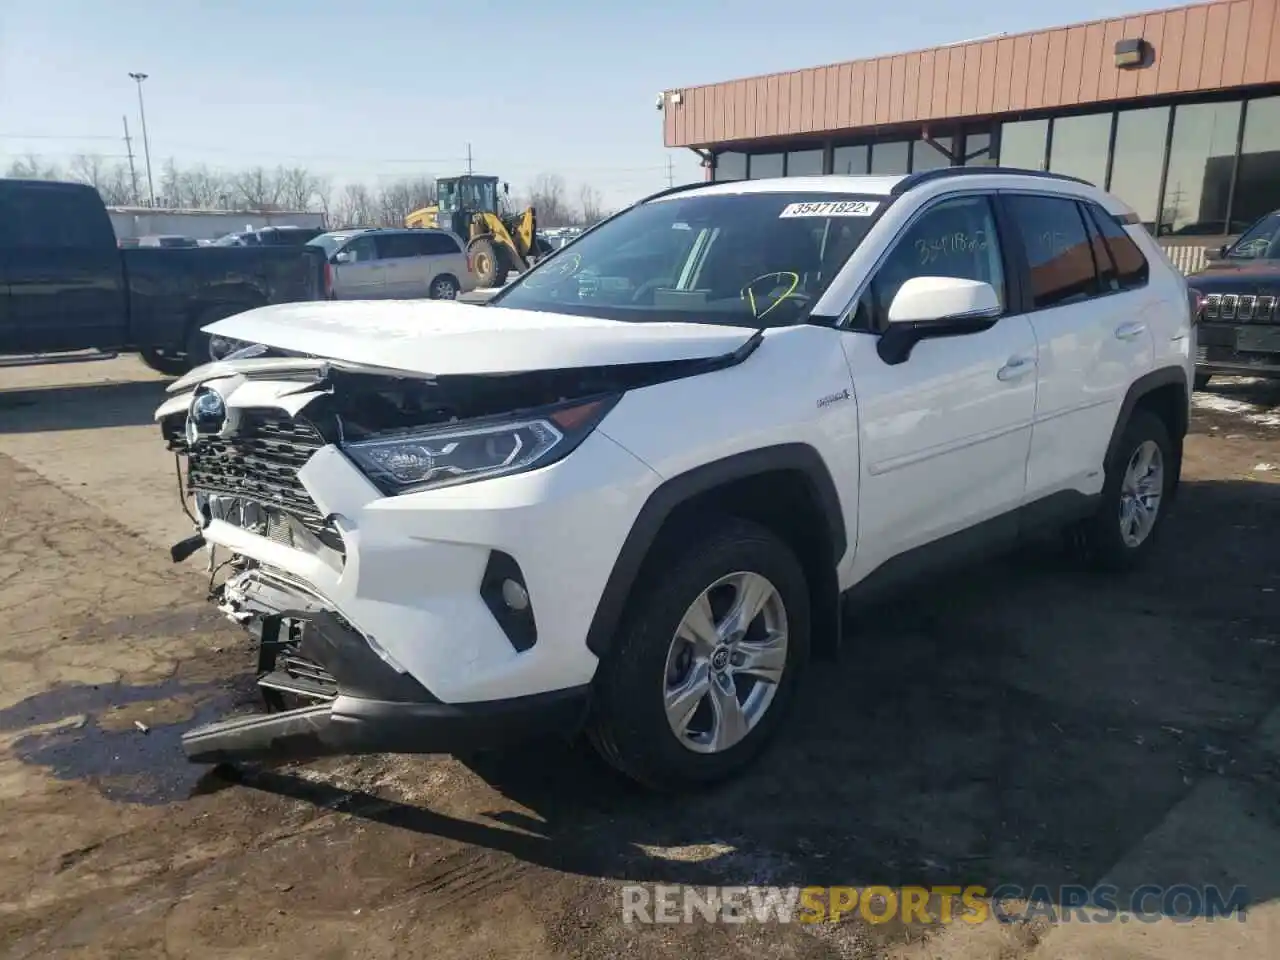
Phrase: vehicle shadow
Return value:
(1259, 390)
(88, 406)
(1022, 723)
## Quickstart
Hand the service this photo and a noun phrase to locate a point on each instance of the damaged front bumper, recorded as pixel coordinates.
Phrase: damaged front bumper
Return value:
(354, 702)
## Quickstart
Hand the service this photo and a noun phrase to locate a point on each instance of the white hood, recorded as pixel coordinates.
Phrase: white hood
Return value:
(439, 338)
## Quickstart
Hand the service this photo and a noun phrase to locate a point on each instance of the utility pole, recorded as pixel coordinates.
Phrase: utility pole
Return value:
(146, 143)
(468, 159)
(671, 171)
(133, 173)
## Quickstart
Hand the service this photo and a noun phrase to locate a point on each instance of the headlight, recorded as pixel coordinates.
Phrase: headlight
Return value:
(476, 450)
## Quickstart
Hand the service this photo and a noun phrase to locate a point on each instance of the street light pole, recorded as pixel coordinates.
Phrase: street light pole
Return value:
(146, 142)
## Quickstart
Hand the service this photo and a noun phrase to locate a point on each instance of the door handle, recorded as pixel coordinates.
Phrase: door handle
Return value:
(1016, 368)
(1130, 331)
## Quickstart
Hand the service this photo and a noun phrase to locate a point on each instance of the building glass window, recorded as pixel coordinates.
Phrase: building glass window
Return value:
(1135, 165)
(977, 151)
(731, 166)
(1201, 158)
(1080, 145)
(1022, 144)
(925, 156)
(1258, 181)
(804, 163)
(890, 158)
(850, 160)
(765, 165)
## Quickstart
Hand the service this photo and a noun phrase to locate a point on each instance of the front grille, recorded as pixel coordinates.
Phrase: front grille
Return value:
(1244, 308)
(260, 463)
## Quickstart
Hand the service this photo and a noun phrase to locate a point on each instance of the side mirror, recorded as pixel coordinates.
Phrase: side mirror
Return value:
(943, 300)
(926, 307)
(343, 257)
(506, 187)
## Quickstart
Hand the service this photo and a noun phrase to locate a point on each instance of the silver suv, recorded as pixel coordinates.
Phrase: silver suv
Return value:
(382, 264)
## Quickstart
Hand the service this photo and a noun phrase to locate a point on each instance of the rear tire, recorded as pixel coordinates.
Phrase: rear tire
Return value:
(444, 288)
(1202, 380)
(662, 707)
(1135, 497)
(199, 345)
(169, 366)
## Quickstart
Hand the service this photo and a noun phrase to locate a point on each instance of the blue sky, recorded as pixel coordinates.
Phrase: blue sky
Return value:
(377, 89)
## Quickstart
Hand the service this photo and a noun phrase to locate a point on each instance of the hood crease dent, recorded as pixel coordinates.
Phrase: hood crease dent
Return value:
(430, 338)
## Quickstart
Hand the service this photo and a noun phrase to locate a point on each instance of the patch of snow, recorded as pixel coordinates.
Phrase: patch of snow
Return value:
(1216, 403)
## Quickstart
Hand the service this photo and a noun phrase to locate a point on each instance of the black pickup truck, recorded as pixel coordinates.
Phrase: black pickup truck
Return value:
(66, 285)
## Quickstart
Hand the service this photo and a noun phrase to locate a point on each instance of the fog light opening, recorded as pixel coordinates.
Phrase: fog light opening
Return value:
(514, 595)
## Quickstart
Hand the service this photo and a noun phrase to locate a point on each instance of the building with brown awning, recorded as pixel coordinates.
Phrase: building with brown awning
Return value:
(1176, 111)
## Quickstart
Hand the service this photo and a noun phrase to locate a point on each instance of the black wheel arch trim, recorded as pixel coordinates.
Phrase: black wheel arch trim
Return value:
(681, 488)
(1144, 385)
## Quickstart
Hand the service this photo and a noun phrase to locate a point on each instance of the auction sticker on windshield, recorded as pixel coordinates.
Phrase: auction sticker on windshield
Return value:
(830, 208)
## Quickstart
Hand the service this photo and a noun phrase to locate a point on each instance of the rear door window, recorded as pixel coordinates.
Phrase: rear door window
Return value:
(1059, 257)
(397, 246)
(437, 245)
(1132, 269)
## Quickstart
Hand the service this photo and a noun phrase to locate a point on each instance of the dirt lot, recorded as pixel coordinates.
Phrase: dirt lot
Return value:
(1024, 724)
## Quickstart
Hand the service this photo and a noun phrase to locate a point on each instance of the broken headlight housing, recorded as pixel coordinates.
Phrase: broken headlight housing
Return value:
(466, 451)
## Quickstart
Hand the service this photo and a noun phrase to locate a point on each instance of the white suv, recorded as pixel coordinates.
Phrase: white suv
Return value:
(632, 491)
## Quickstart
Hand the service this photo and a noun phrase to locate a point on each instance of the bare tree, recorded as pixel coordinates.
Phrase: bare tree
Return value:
(324, 197)
(299, 188)
(589, 204)
(111, 180)
(399, 199)
(355, 207)
(32, 167)
(547, 197)
(205, 189)
(258, 189)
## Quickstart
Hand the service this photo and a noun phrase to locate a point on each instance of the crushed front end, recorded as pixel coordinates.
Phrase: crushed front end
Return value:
(400, 563)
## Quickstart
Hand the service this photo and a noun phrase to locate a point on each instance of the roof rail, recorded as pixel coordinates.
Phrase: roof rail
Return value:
(913, 180)
(678, 188)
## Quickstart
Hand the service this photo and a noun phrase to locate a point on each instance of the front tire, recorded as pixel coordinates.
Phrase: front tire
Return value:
(1135, 496)
(707, 660)
(483, 256)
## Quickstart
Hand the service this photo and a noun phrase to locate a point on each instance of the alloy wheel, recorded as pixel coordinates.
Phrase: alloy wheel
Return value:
(1140, 493)
(725, 662)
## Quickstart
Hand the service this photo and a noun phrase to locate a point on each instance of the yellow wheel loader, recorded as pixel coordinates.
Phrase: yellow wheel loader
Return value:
(497, 244)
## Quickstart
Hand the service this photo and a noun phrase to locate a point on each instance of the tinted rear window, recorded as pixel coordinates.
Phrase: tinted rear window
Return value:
(53, 217)
(1132, 268)
(1058, 252)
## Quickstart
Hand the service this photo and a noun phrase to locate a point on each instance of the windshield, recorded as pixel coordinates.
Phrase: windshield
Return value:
(753, 259)
(1259, 242)
(447, 196)
(329, 243)
(467, 193)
